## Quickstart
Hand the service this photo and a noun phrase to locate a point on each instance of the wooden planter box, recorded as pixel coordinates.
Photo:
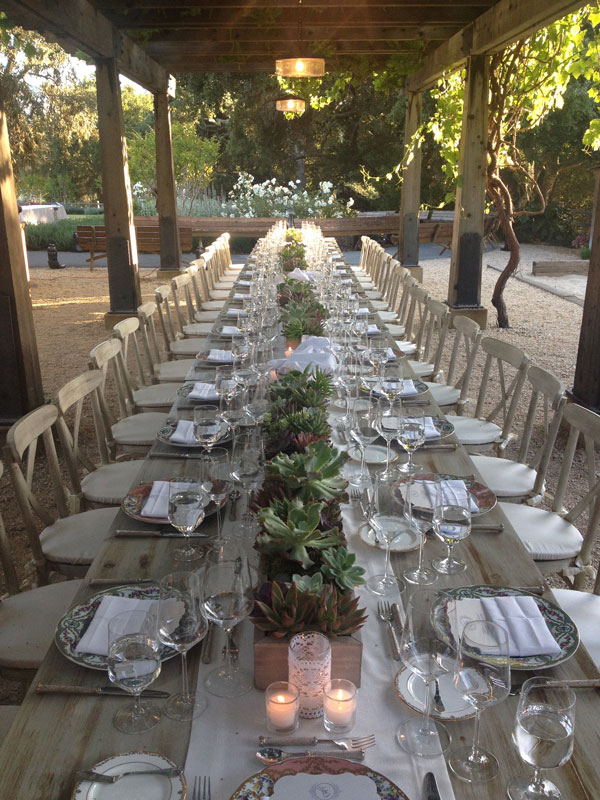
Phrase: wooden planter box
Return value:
(271, 658)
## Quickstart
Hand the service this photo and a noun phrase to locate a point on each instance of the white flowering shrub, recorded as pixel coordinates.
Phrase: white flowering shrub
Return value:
(269, 199)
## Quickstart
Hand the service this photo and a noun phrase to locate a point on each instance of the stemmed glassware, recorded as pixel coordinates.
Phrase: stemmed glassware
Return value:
(225, 386)
(186, 512)
(133, 664)
(543, 735)
(428, 653)
(181, 625)
(411, 436)
(228, 598)
(386, 422)
(209, 426)
(482, 676)
(451, 524)
(247, 467)
(363, 429)
(421, 495)
(386, 519)
(216, 479)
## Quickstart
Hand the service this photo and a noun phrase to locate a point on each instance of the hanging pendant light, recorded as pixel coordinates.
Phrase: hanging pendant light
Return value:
(300, 67)
(290, 104)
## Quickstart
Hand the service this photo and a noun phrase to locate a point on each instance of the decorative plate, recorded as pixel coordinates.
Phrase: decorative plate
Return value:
(561, 626)
(261, 784)
(411, 690)
(133, 502)
(421, 388)
(442, 426)
(134, 787)
(403, 543)
(374, 454)
(484, 497)
(164, 435)
(185, 390)
(76, 621)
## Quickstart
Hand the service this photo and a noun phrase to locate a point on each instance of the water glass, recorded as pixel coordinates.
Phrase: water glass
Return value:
(186, 512)
(411, 436)
(451, 524)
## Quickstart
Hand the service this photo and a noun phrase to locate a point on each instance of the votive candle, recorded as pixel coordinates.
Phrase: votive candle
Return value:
(339, 705)
(283, 704)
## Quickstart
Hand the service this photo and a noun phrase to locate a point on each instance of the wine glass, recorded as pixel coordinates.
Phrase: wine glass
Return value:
(186, 512)
(247, 466)
(363, 430)
(209, 426)
(133, 664)
(181, 625)
(420, 496)
(388, 413)
(387, 521)
(228, 598)
(482, 676)
(225, 386)
(239, 348)
(378, 355)
(428, 653)
(411, 435)
(451, 523)
(543, 735)
(216, 479)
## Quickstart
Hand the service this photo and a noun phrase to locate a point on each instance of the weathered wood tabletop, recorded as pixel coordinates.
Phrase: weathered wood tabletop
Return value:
(53, 736)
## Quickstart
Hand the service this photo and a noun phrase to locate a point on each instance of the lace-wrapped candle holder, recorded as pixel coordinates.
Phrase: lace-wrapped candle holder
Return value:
(309, 666)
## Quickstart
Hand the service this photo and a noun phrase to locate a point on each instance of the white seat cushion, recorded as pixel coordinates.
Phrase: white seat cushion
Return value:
(77, 539)
(223, 284)
(109, 484)
(218, 294)
(197, 329)
(161, 394)
(474, 431)
(584, 610)
(187, 347)
(207, 316)
(7, 717)
(546, 535)
(397, 330)
(406, 348)
(211, 305)
(380, 305)
(443, 394)
(28, 622)
(421, 368)
(139, 429)
(504, 477)
(168, 371)
(373, 294)
(387, 316)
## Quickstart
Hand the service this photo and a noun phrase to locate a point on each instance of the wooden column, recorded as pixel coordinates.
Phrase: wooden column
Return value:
(21, 385)
(464, 288)
(123, 275)
(586, 386)
(170, 252)
(408, 241)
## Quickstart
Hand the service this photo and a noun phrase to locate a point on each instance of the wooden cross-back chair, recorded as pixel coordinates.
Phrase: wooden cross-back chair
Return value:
(129, 431)
(454, 392)
(27, 618)
(431, 340)
(498, 401)
(175, 342)
(524, 479)
(200, 294)
(401, 329)
(174, 370)
(206, 268)
(181, 286)
(103, 481)
(60, 538)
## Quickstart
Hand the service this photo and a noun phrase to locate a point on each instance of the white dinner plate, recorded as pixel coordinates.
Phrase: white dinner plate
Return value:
(374, 454)
(403, 543)
(134, 787)
(411, 690)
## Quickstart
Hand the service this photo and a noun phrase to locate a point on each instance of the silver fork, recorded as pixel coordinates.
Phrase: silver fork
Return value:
(345, 742)
(384, 612)
(201, 789)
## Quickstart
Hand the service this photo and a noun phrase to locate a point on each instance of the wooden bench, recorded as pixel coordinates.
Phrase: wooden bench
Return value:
(93, 239)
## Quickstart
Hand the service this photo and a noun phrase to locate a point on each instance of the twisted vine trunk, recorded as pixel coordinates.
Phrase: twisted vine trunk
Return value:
(503, 203)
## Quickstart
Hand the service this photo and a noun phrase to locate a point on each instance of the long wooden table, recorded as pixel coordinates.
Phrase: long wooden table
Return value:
(53, 736)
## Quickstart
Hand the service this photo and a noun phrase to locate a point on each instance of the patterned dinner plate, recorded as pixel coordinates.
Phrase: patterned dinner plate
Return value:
(411, 690)
(76, 621)
(133, 502)
(135, 787)
(481, 494)
(442, 426)
(164, 435)
(261, 785)
(560, 625)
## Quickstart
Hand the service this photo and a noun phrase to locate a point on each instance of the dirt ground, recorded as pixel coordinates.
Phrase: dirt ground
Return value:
(69, 307)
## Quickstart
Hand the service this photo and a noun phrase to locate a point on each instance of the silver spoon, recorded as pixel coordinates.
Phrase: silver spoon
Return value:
(274, 755)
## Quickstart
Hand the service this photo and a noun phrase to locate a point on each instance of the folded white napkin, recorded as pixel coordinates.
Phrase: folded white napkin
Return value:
(372, 329)
(325, 361)
(346, 281)
(157, 502)
(244, 283)
(299, 275)
(225, 356)
(183, 433)
(235, 312)
(528, 634)
(454, 493)
(95, 639)
(230, 330)
(390, 354)
(240, 295)
(362, 311)
(431, 432)
(314, 344)
(203, 391)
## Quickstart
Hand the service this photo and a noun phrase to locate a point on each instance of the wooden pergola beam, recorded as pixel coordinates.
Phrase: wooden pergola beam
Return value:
(289, 34)
(506, 22)
(292, 4)
(77, 25)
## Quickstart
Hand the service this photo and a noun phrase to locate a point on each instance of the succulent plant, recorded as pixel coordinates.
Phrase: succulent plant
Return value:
(294, 530)
(338, 613)
(292, 290)
(309, 583)
(339, 565)
(297, 390)
(307, 420)
(314, 474)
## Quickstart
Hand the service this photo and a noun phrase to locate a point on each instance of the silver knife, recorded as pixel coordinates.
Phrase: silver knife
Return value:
(99, 777)
(54, 688)
(430, 789)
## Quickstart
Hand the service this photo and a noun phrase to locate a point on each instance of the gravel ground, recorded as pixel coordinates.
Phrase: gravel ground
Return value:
(69, 306)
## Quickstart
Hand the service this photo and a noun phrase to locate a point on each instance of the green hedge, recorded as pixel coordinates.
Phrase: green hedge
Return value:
(60, 233)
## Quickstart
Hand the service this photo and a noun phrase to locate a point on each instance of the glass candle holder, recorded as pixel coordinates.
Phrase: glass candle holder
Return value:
(282, 700)
(339, 705)
(309, 664)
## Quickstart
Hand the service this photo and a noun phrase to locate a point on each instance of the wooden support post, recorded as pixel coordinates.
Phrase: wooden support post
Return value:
(408, 239)
(21, 385)
(586, 386)
(121, 249)
(170, 251)
(464, 287)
